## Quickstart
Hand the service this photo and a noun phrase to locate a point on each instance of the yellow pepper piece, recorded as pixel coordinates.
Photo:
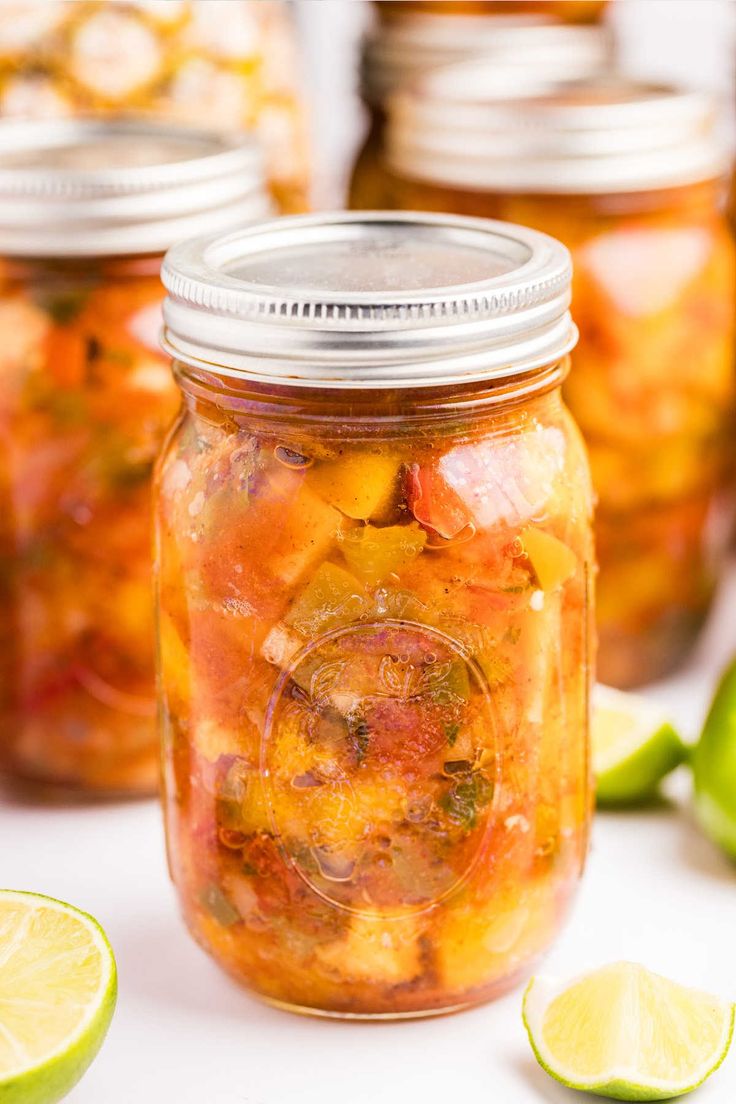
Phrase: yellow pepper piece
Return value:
(552, 560)
(332, 597)
(373, 554)
(361, 485)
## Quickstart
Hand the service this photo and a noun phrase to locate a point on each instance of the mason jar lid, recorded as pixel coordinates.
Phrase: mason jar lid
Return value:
(369, 300)
(72, 188)
(462, 127)
(529, 46)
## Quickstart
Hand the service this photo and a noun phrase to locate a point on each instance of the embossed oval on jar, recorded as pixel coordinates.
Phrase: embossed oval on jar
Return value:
(381, 765)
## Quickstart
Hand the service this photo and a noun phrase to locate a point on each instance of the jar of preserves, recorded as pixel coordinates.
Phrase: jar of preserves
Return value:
(86, 211)
(631, 178)
(374, 593)
(229, 64)
(520, 53)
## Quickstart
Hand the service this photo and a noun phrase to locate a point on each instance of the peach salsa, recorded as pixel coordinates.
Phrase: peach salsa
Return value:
(373, 576)
(85, 399)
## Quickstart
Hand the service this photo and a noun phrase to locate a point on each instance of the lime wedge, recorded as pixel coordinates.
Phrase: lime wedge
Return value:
(714, 766)
(626, 1033)
(58, 985)
(634, 746)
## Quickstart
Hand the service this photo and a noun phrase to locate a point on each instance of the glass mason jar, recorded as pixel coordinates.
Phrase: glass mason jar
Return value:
(86, 211)
(373, 590)
(631, 178)
(521, 54)
(229, 64)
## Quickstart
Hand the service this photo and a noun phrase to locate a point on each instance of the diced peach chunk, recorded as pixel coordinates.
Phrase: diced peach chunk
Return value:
(360, 486)
(331, 597)
(374, 554)
(309, 529)
(176, 665)
(375, 952)
(553, 561)
(213, 739)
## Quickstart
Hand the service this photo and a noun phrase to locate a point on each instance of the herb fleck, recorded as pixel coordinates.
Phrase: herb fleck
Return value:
(465, 799)
(451, 732)
(359, 736)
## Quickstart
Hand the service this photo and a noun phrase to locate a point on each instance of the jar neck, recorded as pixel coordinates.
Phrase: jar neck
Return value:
(380, 412)
(701, 201)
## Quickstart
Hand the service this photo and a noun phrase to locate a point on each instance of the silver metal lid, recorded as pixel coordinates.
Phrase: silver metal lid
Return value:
(369, 300)
(520, 45)
(71, 188)
(463, 127)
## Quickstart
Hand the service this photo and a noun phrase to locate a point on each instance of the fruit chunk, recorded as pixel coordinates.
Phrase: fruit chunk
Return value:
(331, 597)
(626, 1033)
(714, 766)
(495, 941)
(58, 985)
(360, 485)
(553, 562)
(634, 746)
(374, 554)
(371, 951)
(307, 529)
(176, 666)
(435, 504)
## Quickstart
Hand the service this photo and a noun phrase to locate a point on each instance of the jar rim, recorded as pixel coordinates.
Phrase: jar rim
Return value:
(518, 45)
(97, 187)
(460, 127)
(369, 300)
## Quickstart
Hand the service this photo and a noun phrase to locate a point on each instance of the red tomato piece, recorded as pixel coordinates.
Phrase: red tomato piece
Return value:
(434, 504)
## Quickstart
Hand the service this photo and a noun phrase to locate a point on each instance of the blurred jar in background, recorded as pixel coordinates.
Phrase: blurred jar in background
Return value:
(631, 178)
(86, 210)
(569, 11)
(227, 64)
(524, 52)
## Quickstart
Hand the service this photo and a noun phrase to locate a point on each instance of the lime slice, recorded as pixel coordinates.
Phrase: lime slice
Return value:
(58, 985)
(626, 1033)
(714, 766)
(634, 746)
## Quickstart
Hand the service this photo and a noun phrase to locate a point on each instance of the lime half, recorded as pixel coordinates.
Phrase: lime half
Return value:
(58, 985)
(634, 746)
(714, 766)
(626, 1033)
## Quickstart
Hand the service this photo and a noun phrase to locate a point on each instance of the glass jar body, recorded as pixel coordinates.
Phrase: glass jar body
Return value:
(374, 669)
(652, 388)
(84, 402)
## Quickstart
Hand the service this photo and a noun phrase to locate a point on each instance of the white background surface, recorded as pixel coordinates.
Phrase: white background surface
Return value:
(655, 890)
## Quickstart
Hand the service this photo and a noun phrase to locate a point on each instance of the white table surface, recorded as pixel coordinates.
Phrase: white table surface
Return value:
(655, 891)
